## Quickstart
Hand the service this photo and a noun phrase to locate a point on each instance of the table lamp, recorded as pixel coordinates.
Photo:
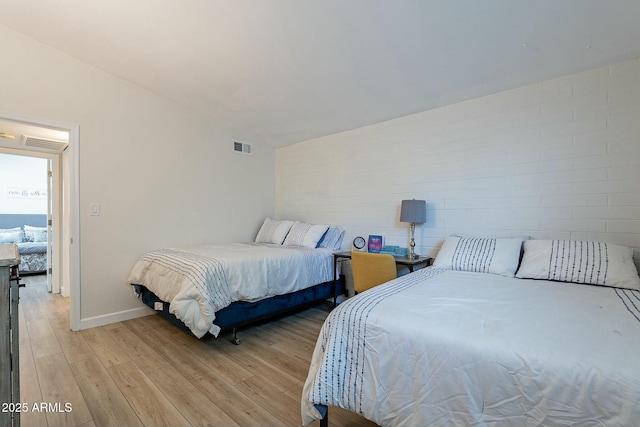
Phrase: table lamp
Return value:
(415, 212)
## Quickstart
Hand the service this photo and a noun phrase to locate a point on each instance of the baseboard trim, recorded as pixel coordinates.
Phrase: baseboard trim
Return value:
(106, 319)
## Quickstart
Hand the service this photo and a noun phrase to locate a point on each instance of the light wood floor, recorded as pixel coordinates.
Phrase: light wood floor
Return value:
(148, 372)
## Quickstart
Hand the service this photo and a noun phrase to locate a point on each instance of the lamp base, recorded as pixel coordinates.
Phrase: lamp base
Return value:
(412, 255)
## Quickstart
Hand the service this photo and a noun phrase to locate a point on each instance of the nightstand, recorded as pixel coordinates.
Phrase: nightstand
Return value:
(400, 260)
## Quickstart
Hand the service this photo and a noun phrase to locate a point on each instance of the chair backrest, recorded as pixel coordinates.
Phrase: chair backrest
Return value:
(370, 269)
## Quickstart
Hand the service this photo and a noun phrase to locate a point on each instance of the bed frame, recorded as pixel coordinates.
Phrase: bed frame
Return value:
(242, 313)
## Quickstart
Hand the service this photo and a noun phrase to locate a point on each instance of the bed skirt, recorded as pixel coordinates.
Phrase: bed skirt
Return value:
(241, 313)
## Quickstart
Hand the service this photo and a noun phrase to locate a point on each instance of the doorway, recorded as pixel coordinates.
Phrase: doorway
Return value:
(31, 200)
(25, 198)
(58, 143)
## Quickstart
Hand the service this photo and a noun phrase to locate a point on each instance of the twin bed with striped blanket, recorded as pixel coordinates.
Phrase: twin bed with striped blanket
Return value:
(194, 285)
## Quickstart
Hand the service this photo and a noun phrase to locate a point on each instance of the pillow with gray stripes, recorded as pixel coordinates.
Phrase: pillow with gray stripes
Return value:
(480, 254)
(577, 261)
(304, 234)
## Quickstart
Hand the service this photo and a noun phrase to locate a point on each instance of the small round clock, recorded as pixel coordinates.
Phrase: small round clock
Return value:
(359, 242)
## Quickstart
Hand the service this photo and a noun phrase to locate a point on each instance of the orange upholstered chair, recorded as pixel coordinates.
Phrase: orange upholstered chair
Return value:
(370, 269)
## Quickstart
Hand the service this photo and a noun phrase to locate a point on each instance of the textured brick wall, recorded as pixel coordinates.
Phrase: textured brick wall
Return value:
(557, 159)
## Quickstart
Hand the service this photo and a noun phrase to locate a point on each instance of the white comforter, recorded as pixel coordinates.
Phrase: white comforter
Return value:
(443, 348)
(197, 281)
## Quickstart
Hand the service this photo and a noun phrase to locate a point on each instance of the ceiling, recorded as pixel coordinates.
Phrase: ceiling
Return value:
(285, 71)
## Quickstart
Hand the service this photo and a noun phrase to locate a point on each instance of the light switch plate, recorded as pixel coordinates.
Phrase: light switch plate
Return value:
(94, 209)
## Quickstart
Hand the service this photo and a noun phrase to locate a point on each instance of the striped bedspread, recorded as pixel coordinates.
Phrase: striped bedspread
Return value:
(197, 281)
(448, 348)
(206, 274)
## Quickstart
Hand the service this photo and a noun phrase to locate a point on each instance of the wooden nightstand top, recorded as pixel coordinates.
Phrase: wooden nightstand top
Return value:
(402, 260)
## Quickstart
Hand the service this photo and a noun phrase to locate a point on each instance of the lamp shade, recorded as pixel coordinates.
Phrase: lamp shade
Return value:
(414, 211)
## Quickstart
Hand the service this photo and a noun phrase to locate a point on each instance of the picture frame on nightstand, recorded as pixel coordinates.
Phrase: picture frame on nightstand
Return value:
(375, 243)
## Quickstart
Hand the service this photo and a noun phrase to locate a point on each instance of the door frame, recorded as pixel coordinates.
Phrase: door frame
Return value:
(70, 212)
(54, 266)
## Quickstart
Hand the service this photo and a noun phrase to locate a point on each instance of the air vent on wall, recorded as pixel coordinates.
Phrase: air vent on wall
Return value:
(242, 147)
(43, 144)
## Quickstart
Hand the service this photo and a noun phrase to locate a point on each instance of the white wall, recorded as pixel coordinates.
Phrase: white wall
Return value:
(558, 159)
(162, 175)
(28, 173)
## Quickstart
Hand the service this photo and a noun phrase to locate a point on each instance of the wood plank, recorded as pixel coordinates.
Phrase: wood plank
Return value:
(105, 348)
(151, 406)
(286, 339)
(278, 403)
(43, 340)
(22, 323)
(106, 403)
(315, 315)
(194, 405)
(74, 345)
(145, 357)
(55, 308)
(242, 409)
(280, 380)
(303, 328)
(281, 357)
(175, 353)
(29, 383)
(30, 305)
(60, 388)
(213, 353)
(140, 324)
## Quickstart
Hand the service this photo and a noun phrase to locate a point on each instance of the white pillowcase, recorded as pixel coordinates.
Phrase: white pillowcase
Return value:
(35, 234)
(273, 231)
(11, 235)
(482, 255)
(577, 261)
(303, 234)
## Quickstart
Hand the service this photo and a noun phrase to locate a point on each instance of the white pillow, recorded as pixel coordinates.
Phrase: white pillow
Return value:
(576, 261)
(273, 231)
(303, 234)
(482, 255)
(11, 235)
(35, 234)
